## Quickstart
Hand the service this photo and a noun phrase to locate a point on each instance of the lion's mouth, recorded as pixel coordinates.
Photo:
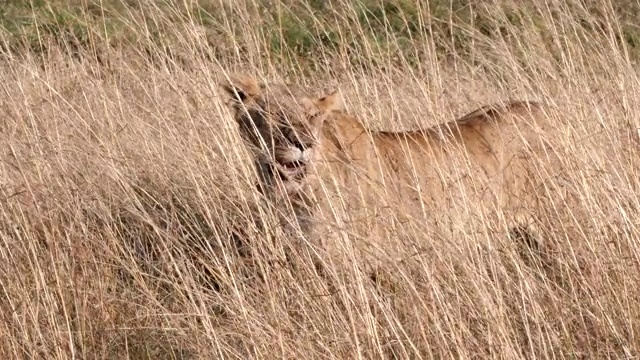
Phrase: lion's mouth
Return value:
(293, 165)
(291, 170)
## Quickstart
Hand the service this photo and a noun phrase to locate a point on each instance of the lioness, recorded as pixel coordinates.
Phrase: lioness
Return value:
(494, 156)
(282, 129)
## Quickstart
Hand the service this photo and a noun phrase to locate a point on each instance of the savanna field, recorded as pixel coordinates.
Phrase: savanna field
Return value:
(124, 182)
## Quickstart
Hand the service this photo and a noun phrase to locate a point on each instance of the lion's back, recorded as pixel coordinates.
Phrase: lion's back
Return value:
(483, 135)
(480, 150)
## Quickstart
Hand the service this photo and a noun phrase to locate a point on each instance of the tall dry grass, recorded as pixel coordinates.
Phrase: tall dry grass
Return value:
(128, 206)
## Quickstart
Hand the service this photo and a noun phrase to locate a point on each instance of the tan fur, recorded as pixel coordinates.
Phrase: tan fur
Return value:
(496, 158)
(282, 128)
(493, 158)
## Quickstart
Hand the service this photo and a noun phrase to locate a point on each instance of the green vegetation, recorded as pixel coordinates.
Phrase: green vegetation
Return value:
(294, 32)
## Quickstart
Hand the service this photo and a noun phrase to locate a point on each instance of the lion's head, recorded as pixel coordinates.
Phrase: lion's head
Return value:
(281, 126)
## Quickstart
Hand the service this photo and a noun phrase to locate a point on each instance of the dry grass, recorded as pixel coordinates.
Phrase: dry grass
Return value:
(128, 211)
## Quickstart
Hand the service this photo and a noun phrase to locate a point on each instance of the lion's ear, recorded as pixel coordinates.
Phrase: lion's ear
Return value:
(241, 87)
(330, 102)
(312, 110)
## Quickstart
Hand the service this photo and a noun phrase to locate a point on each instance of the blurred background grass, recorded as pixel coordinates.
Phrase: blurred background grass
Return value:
(122, 181)
(301, 35)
